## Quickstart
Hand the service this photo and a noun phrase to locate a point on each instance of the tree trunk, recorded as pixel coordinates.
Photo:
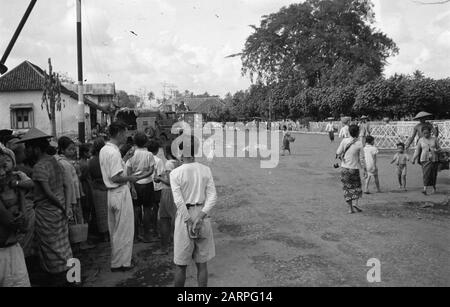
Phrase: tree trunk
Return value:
(53, 120)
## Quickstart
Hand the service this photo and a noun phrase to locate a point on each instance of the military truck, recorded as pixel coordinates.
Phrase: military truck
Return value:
(157, 125)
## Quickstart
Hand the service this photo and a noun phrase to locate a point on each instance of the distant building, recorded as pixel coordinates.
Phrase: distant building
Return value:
(21, 104)
(102, 94)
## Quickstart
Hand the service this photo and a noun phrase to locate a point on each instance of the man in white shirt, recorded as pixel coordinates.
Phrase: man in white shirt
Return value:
(120, 203)
(330, 129)
(142, 163)
(194, 195)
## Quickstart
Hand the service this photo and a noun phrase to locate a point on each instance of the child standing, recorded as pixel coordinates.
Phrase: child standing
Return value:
(153, 147)
(370, 155)
(401, 160)
(287, 139)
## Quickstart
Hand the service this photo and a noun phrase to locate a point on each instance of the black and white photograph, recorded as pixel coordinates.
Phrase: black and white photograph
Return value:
(236, 146)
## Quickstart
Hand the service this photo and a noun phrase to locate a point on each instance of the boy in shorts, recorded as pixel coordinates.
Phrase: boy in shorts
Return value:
(401, 160)
(195, 196)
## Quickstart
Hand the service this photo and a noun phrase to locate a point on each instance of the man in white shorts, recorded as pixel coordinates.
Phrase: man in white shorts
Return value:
(194, 195)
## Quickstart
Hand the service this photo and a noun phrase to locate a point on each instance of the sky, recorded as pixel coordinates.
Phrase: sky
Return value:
(185, 42)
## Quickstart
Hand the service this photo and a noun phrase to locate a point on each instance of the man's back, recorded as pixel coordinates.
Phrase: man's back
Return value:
(193, 180)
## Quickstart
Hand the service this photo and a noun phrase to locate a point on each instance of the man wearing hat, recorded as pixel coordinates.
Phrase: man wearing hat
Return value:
(51, 213)
(422, 117)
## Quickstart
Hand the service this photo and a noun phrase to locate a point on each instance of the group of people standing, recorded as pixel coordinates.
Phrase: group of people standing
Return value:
(124, 192)
(357, 152)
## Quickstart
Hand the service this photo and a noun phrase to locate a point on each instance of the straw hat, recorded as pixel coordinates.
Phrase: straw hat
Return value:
(423, 115)
(34, 134)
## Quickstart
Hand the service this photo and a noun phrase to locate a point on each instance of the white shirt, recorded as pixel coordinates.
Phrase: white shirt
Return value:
(329, 128)
(111, 164)
(351, 158)
(193, 183)
(141, 161)
(370, 156)
(159, 170)
(344, 133)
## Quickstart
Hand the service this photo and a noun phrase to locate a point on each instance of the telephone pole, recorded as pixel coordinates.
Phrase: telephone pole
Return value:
(81, 120)
(3, 68)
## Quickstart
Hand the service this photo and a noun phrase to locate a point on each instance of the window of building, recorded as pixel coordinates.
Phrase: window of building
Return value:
(22, 118)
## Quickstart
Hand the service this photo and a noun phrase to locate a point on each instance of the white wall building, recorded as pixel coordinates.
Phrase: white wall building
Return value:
(21, 104)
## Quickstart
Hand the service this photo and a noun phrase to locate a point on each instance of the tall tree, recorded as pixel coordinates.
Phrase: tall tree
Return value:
(312, 40)
(124, 100)
(51, 96)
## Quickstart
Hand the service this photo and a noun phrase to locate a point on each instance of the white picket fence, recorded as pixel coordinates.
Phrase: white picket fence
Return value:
(387, 136)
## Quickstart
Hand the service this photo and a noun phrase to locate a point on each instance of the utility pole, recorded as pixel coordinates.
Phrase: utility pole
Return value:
(3, 67)
(81, 120)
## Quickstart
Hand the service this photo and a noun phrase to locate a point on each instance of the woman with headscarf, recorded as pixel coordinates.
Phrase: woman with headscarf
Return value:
(426, 153)
(13, 270)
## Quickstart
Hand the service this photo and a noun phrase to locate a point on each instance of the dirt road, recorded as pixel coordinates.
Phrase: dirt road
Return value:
(289, 227)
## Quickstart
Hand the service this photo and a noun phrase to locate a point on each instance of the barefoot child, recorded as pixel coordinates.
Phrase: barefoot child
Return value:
(370, 155)
(401, 160)
(287, 139)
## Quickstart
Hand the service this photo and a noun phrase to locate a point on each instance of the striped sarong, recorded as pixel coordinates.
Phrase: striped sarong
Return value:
(430, 173)
(52, 234)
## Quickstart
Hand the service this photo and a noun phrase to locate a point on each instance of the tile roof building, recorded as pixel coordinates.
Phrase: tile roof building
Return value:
(21, 94)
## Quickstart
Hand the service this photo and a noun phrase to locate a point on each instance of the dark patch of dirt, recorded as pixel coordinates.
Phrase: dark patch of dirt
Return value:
(420, 210)
(230, 228)
(353, 251)
(157, 275)
(442, 208)
(331, 237)
(302, 271)
(291, 241)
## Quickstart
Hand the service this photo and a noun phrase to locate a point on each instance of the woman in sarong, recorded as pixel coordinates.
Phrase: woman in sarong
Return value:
(52, 228)
(427, 153)
(349, 152)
